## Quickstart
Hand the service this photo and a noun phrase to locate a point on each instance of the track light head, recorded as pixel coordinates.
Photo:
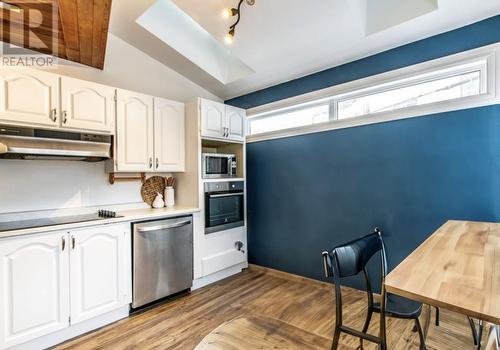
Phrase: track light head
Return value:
(230, 12)
(230, 36)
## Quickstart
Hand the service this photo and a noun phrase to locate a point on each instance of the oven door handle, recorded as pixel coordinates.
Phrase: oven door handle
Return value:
(226, 195)
(164, 227)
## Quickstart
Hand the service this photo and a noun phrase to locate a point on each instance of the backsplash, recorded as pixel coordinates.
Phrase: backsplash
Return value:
(44, 185)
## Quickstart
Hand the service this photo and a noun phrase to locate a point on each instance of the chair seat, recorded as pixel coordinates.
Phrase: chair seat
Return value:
(400, 307)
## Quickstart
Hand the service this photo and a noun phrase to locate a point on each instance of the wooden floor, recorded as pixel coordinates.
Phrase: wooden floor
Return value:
(263, 309)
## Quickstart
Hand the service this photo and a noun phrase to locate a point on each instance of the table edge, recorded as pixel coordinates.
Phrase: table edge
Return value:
(441, 304)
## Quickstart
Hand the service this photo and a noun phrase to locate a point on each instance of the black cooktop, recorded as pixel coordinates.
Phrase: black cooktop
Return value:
(60, 220)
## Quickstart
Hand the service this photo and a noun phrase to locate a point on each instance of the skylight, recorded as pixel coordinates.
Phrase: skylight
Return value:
(177, 29)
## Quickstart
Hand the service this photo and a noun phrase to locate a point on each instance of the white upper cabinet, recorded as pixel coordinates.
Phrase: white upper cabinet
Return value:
(100, 269)
(235, 123)
(221, 121)
(29, 98)
(169, 135)
(87, 106)
(34, 294)
(213, 118)
(134, 132)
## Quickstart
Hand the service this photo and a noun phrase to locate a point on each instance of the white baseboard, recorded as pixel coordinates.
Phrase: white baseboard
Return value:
(206, 280)
(74, 331)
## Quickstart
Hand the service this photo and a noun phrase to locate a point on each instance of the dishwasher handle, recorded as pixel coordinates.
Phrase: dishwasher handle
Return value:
(164, 227)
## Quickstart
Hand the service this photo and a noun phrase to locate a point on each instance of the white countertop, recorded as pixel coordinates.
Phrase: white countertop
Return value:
(131, 215)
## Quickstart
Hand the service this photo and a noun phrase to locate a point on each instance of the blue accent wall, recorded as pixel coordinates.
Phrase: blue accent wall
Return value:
(309, 193)
(312, 192)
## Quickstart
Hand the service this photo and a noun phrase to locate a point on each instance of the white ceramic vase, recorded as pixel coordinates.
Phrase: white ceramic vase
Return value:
(169, 197)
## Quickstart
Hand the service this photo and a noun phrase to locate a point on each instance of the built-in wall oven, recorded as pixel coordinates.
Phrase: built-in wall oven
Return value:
(224, 205)
(218, 165)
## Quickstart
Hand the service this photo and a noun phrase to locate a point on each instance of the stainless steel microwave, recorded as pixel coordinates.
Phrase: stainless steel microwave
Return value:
(218, 165)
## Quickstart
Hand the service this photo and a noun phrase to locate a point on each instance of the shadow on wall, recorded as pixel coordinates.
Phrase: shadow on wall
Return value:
(312, 192)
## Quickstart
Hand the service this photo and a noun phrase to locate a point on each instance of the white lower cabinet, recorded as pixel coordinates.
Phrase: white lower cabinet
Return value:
(220, 250)
(100, 270)
(49, 282)
(34, 287)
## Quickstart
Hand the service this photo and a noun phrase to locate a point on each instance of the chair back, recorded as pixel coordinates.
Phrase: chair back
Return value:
(351, 258)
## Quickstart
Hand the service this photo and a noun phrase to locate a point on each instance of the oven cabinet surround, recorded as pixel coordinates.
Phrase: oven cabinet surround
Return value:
(52, 282)
(220, 121)
(216, 255)
(38, 99)
(149, 133)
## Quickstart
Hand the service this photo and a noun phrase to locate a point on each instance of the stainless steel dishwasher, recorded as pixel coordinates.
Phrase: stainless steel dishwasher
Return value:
(162, 259)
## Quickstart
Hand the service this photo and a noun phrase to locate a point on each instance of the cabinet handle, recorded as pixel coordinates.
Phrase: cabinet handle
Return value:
(65, 117)
(73, 242)
(150, 163)
(53, 115)
(157, 163)
(63, 243)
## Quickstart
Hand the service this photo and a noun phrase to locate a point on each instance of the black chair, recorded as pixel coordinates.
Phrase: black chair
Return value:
(351, 259)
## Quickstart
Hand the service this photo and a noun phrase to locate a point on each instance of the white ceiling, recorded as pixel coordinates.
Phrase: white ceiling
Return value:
(281, 40)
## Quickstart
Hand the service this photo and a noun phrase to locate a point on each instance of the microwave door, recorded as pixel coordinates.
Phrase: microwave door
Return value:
(216, 166)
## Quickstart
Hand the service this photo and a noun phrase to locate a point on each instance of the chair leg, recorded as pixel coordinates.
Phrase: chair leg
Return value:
(437, 317)
(480, 335)
(473, 329)
(336, 338)
(420, 334)
(366, 325)
(383, 336)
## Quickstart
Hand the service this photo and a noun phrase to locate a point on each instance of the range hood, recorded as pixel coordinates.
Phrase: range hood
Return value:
(29, 143)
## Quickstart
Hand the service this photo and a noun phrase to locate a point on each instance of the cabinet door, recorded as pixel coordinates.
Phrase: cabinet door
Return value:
(29, 98)
(87, 106)
(134, 132)
(169, 135)
(213, 116)
(100, 266)
(34, 287)
(235, 123)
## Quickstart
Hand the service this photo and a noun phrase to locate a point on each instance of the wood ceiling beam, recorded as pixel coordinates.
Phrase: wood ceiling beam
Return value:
(81, 29)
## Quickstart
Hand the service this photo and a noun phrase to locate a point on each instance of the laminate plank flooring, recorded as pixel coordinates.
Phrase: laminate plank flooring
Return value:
(264, 309)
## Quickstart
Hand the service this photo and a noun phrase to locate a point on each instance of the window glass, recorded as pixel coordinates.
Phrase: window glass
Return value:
(448, 88)
(451, 83)
(288, 120)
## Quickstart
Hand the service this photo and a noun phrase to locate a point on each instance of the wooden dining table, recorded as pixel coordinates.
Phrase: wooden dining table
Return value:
(456, 268)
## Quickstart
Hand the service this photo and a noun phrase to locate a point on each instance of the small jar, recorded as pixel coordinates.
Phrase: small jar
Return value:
(169, 197)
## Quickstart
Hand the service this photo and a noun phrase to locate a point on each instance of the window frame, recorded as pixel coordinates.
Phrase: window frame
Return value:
(388, 81)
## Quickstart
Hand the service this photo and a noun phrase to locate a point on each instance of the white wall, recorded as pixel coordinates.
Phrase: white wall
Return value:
(27, 185)
(44, 185)
(128, 68)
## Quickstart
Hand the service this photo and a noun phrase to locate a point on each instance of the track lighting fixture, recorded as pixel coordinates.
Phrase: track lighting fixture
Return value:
(234, 12)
